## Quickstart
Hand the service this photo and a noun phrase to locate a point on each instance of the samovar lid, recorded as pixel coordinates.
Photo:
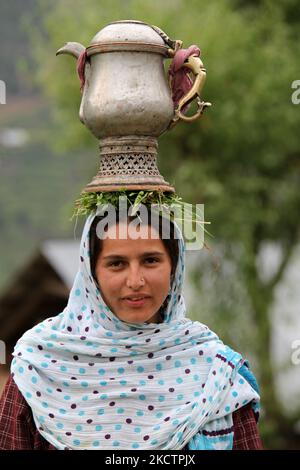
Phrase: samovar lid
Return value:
(128, 35)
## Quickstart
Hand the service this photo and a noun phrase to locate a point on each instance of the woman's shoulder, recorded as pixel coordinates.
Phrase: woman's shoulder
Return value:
(245, 430)
(246, 434)
(14, 418)
(17, 427)
(11, 396)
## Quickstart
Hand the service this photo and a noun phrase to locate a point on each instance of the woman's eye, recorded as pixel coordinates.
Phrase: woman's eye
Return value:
(115, 263)
(152, 259)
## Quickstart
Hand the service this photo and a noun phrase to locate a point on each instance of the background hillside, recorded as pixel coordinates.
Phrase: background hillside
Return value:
(242, 159)
(37, 187)
(14, 47)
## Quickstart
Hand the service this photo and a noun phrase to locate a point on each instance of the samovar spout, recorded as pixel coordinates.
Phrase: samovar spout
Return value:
(71, 48)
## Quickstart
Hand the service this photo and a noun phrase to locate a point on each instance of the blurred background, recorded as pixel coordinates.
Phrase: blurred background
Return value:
(241, 160)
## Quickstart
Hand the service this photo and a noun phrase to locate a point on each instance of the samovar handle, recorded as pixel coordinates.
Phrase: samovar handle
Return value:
(195, 64)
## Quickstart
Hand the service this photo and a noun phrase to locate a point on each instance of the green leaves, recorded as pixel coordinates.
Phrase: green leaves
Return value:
(159, 201)
(88, 202)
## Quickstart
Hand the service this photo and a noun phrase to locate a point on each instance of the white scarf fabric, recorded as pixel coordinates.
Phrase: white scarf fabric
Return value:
(96, 382)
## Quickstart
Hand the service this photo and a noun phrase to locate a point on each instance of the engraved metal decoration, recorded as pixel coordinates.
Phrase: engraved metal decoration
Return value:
(128, 162)
(127, 101)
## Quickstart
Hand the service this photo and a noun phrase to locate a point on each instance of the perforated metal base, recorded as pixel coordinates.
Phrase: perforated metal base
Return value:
(128, 162)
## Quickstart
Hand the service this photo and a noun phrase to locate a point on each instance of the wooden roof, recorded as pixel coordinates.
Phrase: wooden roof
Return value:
(39, 290)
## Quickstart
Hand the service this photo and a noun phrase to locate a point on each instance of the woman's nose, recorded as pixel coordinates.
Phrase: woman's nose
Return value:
(135, 278)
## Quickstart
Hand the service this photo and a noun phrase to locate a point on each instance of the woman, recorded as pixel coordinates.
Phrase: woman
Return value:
(122, 367)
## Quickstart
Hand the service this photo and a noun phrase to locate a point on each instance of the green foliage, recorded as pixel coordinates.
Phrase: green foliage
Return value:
(169, 204)
(14, 44)
(244, 151)
(241, 158)
(89, 201)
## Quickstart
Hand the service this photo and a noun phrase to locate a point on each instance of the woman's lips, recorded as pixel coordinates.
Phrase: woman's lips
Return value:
(136, 303)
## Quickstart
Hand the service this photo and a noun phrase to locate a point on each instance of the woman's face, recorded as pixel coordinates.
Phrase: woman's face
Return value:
(139, 268)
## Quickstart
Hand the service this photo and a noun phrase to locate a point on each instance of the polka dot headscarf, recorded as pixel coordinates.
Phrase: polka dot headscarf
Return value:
(96, 382)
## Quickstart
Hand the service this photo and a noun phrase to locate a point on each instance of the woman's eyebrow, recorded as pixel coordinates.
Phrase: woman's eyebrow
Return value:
(147, 253)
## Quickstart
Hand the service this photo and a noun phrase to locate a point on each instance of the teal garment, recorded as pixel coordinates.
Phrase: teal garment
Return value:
(203, 441)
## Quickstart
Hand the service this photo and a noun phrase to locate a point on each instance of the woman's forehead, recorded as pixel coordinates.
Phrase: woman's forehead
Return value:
(129, 246)
(127, 231)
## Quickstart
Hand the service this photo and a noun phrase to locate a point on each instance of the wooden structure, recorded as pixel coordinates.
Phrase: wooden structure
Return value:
(37, 291)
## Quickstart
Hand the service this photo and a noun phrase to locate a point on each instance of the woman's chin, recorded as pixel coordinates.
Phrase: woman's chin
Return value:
(141, 316)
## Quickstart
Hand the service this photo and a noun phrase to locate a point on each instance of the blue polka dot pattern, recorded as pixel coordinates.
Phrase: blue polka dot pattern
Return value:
(96, 382)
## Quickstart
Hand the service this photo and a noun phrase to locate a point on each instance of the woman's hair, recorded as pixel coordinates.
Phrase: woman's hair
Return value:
(170, 243)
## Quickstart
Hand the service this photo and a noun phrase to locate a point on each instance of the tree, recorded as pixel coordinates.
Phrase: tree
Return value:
(241, 159)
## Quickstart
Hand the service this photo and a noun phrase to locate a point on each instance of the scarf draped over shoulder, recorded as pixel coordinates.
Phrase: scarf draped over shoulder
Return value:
(96, 382)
